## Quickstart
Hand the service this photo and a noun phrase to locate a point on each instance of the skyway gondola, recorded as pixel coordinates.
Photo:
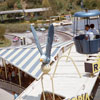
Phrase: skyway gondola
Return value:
(83, 45)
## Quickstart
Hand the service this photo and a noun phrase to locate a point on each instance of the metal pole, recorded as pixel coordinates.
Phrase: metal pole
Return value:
(74, 26)
(87, 20)
(77, 25)
(19, 77)
(4, 64)
(69, 52)
(52, 87)
(81, 3)
(72, 62)
(51, 78)
(98, 24)
(43, 87)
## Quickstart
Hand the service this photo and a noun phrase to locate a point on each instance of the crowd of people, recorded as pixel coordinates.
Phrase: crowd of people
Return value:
(13, 75)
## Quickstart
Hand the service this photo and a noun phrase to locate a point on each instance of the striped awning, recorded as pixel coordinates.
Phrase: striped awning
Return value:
(26, 59)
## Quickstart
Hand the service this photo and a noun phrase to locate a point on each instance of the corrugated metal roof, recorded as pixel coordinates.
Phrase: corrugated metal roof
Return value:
(25, 10)
(67, 82)
(87, 14)
(26, 59)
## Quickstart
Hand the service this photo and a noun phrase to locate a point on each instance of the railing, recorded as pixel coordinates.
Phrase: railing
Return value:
(64, 47)
(11, 86)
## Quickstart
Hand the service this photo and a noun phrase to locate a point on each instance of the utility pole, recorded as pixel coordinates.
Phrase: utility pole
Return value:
(82, 6)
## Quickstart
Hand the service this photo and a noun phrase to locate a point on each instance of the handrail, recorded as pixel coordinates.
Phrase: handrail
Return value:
(11, 83)
(11, 86)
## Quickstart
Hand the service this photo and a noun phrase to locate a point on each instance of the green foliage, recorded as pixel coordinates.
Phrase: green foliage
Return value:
(10, 3)
(17, 28)
(3, 6)
(45, 3)
(2, 31)
(92, 4)
(13, 28)
(19, 6)
(34, 19)
(58, 7)
(34, 3)
(5, 42)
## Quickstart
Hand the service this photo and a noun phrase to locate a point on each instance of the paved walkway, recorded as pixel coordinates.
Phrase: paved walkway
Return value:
(4, 95)
(27, 36)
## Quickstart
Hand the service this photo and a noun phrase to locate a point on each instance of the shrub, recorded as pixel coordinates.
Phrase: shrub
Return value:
(17, 28)
(10, 3)
(5, 43)
(2, 31)
(3, 6)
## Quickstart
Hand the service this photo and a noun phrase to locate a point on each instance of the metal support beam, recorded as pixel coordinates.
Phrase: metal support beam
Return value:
(44, 98)
(19, 77)
(72, 62)
(69, 52)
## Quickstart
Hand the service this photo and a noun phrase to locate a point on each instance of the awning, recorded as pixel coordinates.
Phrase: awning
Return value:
(26, 59)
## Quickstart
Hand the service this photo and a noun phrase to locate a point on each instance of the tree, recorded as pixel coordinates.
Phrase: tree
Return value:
(92, 4)
(3, 6)
(46, 4)
(10, 3)
(19, 6)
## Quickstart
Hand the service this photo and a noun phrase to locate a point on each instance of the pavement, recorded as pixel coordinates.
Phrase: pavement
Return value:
(28, 38)
(4, 95)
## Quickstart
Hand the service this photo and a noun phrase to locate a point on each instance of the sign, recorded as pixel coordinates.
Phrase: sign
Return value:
(81, 97)
(92, 66)
(96, 67)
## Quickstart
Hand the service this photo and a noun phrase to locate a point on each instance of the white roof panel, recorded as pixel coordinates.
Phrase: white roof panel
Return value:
(26, 59)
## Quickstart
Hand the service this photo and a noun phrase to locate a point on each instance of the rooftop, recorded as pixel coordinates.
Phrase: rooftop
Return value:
(24, 10)
(67, 82)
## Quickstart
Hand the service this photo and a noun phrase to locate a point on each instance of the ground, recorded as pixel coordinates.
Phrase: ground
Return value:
(42, 35)
(5, 43)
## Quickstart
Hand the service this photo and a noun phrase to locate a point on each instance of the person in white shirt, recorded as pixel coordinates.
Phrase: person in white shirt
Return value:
(88, 34)
(93, 29)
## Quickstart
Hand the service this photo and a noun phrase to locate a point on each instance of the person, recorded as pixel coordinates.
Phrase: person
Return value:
(88, 34)
(93, 29)
(13, 75)
(15, 95)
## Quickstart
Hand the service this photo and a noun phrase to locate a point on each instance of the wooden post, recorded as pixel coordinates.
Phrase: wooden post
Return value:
(24, 42)
(19, 77)
(4, 64)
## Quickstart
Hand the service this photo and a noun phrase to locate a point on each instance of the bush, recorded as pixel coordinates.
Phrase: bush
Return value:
(34, 19)
(14, 28)
(2, 31)
(5, 43)
(3, 6)
(10, 3)
(17, 28)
